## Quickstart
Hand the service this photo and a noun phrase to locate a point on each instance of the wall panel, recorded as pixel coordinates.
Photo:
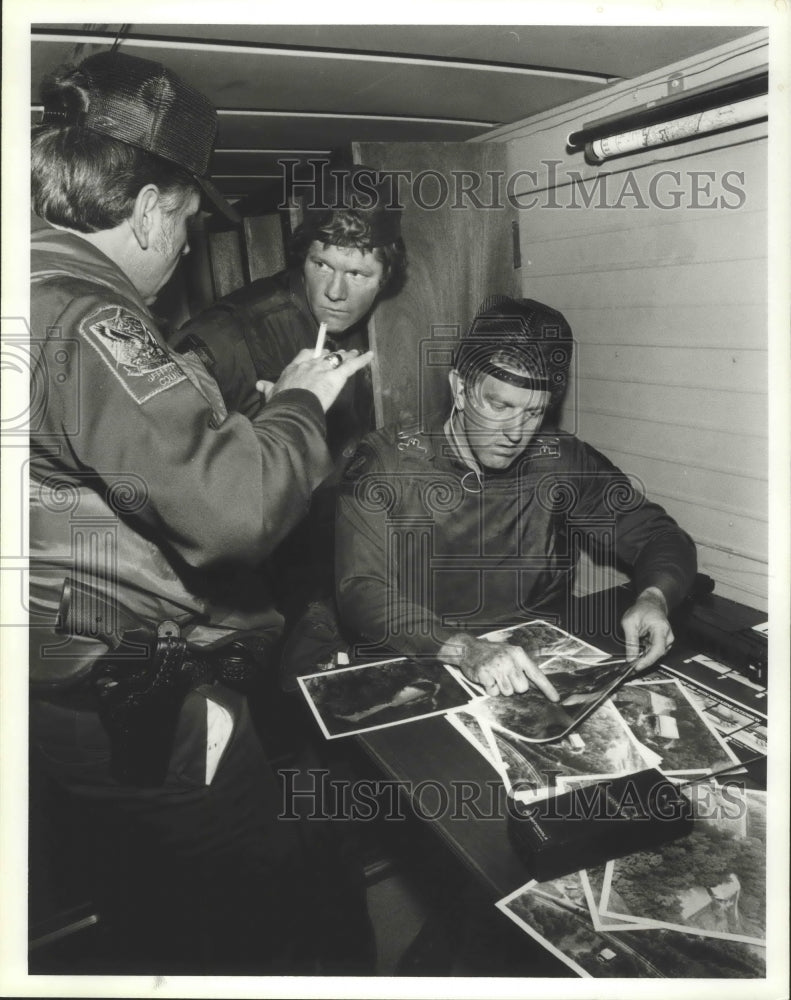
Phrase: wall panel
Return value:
(669, 309)
(458, 254)
(668, 404)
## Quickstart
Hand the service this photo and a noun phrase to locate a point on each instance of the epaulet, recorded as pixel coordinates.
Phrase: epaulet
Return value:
(544, 446)
(413, 442)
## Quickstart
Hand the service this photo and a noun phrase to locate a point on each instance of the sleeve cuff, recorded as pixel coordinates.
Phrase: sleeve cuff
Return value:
(304, 399)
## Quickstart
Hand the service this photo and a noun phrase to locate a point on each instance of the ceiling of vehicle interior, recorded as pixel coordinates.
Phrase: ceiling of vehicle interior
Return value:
(299, 91)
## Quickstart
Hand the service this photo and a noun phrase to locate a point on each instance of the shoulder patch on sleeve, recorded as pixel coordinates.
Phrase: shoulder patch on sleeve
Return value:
(131, 352)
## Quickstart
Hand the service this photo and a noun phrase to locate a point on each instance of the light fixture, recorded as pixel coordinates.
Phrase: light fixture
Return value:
(675, 119)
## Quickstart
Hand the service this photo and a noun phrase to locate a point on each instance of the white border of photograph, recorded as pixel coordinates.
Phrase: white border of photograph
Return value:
(476, 690)
(502, 905)
(601, 923)
(599, 914)
(596, 918)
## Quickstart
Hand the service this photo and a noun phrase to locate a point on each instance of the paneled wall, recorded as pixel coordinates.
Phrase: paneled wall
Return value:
(458, 254)
(663, 277)
(221, 261)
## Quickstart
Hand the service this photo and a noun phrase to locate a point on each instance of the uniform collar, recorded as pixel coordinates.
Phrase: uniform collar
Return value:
(460, 456)
(67, 252)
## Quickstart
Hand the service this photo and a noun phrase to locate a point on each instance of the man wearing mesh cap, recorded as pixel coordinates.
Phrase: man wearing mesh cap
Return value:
(490, 490)
(142, 488)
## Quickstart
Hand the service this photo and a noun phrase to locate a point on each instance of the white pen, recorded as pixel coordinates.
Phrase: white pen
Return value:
(320, 340)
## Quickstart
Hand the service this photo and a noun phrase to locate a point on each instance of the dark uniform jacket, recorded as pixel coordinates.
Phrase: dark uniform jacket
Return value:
(424, 548)
(141, 484)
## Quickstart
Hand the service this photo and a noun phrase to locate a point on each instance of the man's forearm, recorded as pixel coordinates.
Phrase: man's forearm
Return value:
(656, 595)
(668, 564)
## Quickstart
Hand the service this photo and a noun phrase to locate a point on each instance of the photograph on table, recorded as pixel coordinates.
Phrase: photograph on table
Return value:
(663, 718)
(387, 693)
(556, 913)
(542, 641)
(725, 718)
(472, 730)
(592, 879)
(603, 745)
(712, 882)
(582, 675)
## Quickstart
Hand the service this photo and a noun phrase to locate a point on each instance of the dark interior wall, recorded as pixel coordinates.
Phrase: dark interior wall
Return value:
(221, 260)
(459, 252)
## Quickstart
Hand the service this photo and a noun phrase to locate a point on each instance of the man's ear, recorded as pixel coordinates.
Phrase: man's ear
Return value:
(456, 388)
(144, 214)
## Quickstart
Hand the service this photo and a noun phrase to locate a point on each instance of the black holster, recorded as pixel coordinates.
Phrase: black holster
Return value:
(140, 697)
(141, 682)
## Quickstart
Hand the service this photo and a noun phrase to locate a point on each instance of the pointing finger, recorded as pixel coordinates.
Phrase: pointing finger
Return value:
(354, 364)
(535, 674)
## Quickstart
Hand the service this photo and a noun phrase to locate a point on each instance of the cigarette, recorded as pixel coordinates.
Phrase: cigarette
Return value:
(320, 340)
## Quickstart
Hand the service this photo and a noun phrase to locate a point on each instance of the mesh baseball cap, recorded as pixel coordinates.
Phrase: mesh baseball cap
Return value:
(519, 333)
(366, 191)
(143, 103)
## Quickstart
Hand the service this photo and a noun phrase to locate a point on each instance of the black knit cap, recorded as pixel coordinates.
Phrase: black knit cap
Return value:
(525, 333)
(143, 103)
(366, 191)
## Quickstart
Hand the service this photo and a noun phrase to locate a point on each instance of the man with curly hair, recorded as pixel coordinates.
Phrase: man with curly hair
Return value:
(346, 254)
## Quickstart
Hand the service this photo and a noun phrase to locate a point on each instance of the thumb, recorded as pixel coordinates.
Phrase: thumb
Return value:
(265, 387)
(632, 637)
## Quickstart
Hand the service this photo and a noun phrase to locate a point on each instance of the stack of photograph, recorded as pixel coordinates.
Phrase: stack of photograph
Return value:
(703, 896)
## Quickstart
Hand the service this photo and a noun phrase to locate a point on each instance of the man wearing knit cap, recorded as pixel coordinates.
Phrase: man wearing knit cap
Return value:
(142, 486)
(483, 506)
